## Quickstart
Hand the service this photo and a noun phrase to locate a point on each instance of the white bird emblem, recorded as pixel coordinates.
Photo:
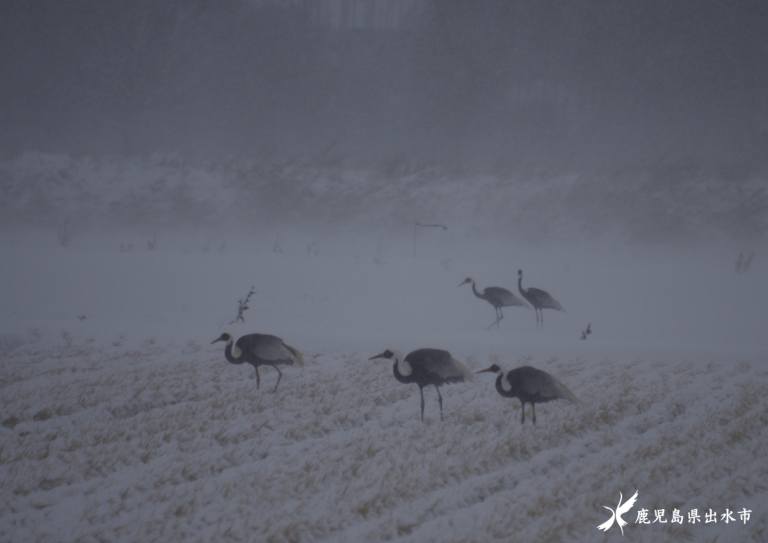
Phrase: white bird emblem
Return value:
(616, 515)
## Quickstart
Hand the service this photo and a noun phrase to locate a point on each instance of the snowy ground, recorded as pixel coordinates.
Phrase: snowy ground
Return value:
(120, 422)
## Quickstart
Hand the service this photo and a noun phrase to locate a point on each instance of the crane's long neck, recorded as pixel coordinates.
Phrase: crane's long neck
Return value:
(402, 369)
(503, 386)
(480, 295)
(523, 291)
(232, 353)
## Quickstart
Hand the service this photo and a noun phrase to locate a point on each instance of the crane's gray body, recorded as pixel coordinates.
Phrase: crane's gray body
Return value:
(433, 367)
(260, 350)
(539, 299)
(427, 367)
(498, 297)
(530, 385)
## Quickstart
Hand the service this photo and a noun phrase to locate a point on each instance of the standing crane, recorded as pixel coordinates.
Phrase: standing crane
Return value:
(260, 350)
(498, 297)
(539, 299)
(530, 386)
(427, 367)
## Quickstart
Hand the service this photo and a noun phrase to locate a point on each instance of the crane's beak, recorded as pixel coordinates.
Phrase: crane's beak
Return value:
(217, 339)
(464, 282)
(380, 355)
(486, 370)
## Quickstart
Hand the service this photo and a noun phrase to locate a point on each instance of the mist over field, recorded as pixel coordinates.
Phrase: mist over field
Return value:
(351, 163)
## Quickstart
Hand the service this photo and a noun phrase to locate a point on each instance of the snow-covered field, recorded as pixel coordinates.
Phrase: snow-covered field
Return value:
(121, 422)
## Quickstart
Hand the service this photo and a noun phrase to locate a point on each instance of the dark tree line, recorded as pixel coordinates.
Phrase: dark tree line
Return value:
(494, 80)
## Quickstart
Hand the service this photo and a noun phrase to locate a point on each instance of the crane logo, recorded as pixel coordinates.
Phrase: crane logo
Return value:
(616, 514)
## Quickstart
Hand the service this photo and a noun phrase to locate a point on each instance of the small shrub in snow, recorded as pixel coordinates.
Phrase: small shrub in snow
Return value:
(242, 307)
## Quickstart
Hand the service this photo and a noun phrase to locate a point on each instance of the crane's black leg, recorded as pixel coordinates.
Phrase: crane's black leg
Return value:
(501, 316)
(440, 399)
(533, 410)
(497, 318)
(279, 376)
(522, 419)
(422, 403)
(258, 379)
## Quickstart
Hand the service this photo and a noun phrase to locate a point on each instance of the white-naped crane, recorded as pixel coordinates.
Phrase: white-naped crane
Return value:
(260, 350)
(427, 367)
(539, 299)
(498, 297)
(531, 386)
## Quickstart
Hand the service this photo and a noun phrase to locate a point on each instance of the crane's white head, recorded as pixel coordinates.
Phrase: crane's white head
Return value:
(467, 280)
(223, 337)
(389, 354)
(393, 354)
(493, 369)
(505, 384)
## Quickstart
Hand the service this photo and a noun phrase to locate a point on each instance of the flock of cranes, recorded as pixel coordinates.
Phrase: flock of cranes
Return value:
(500, 297)
(428, 367)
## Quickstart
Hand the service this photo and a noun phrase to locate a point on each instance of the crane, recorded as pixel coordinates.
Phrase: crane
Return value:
(260, 350)
(498, 297)
(539, 299)
(531, 386)
(427, 367)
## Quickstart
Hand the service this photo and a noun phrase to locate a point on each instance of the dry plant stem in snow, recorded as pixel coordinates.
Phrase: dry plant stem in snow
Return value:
(242, 307)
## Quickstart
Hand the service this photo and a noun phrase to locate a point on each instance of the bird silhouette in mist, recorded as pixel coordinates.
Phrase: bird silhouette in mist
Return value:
(539, 299)
(427, 367)
(530, 385)
(260, 350)
(498, 297)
